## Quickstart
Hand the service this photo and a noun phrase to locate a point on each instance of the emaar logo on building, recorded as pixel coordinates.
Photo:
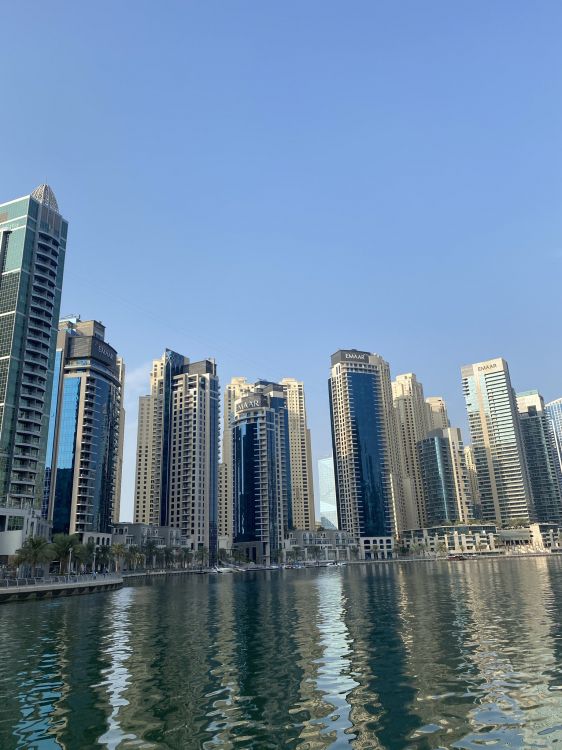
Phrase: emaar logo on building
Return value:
(491, 366)
(356, 355)
(252, 404)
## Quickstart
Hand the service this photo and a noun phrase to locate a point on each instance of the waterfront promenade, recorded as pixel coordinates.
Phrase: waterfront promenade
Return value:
(21, 589)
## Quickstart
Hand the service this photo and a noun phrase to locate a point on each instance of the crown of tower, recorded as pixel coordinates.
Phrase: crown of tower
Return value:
(45, 195)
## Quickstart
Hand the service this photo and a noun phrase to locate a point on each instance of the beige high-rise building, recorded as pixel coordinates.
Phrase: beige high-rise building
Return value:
(235, 390)
(499, 457)
(302, 489)
(412, 423)
(437, 417)
(472, 480)
(177, 450)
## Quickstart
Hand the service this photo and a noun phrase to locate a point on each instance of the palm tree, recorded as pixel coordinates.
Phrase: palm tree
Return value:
(64, 546)
(133, 557)
(35, 551)
(83, 554)
(118, 552)
(150, 549)
(103, 556)
(169, 556)
(223, 555)
(202, 555)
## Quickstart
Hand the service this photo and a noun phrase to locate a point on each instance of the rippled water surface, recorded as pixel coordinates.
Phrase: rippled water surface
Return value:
(426, 655)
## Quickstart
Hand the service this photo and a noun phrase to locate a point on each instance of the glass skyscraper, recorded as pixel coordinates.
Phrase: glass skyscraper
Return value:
(541, 457)
(366, 453)
(444, 476)
(262, 475)
(499, 457)
(327, 492)
(32, 250)
(554, 412)
(83, 453)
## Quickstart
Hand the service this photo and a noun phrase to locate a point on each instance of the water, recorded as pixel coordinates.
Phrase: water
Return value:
(428, 655)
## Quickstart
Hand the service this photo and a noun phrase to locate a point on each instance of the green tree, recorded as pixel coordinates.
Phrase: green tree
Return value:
(103, 556)
(150, 549)
(118, 552)
(34, 552)
(64, 546)
(202, 555)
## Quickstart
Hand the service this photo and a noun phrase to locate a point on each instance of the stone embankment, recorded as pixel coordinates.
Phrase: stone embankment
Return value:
(22, 589)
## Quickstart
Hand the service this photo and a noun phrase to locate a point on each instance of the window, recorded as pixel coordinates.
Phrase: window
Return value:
(15, 523)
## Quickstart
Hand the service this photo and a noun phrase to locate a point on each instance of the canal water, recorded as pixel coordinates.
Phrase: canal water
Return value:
(404, 655)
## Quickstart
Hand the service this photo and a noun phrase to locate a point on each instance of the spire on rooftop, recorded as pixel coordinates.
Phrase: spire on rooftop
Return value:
(45, 195)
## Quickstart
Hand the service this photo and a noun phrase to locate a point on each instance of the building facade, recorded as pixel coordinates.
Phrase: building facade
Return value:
(472, 481)
(327, 492)
(437, 417)
(412, 422)
(261, 471)
(445, 480)
(176, 480)
(541, 457)
(85, 439)
(33, 238)
(236, 389)
(554, 413)
(503, 483)
(300, 456)
(365, 446)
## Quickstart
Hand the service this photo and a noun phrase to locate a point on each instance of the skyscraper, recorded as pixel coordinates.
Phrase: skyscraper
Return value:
(327, 491)
(178, 448)
(540, 454)
(261, 471)
(300, 454)
(473, 481)
(412, 422)
(85, 441)
(236, 389)
(32, 249)
(444, 477)
(365, 443)
(554, 412)
(499, 457)
(437, 417)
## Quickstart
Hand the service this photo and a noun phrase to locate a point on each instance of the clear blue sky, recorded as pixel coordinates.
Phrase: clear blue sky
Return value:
(267, 182)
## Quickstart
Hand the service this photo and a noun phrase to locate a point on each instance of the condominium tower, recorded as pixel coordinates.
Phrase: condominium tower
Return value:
(236, 389)
(84, 451)
(541, 457)
(178, 448)
(554, 412)
(261, 472)
(412, 423)
(300, 456)
(445, 478)
(32, 249)
(499, 456)
(437, 417)
(365, 445)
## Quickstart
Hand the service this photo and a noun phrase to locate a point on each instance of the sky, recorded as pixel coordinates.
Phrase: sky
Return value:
(266, 182)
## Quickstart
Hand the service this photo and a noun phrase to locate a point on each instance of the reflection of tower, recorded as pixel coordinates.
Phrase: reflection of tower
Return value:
(383, 703)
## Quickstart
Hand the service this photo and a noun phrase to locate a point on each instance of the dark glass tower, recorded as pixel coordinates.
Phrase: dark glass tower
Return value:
(366, 458)
(261, 466)
(83, 453)
(32, 250)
